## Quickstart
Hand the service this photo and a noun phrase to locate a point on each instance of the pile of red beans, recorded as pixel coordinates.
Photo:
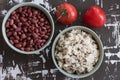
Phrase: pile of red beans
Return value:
(28, 28)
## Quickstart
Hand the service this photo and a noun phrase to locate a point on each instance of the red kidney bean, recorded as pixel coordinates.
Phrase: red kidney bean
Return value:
(34, 21)
(35, 35)
(22, 31)
(46, 22)
(34, 18)
(19, 24)
(17, 20)
(47, 27)
(11, 38)
(13, 13)
(16, 41)
(23, 19)
(17, 37)
(30, 14)
(11, 41)
(35, 47)
(9, 34)
(25, 29)
(32, 49)
(39, 17)
(32, 28)
(39, 35)
(20, 40)
(30, 31)
(31, 41)
(49, 30)
(42, 44)
(24, 44)
(15, 33)
(45, 32)
(48, 34)
(23, 15)
(43, 28)
(20, 9)
(41, 24)
(7, 30)
(11, 29)
(26, 15)
(42, 32)
(11, 22)
(14, 26)
(28, 28)
(23, 36)
(7, 24)
(18, 45)
(27, 49)
(27, 24)
(42, 19)
(43, 41)
(29, 38)
(19, 33)
(29, 20)
(36, 30)
(29, 10)
(22, 49)
(35, 40)
(39, 41)
(46, 37)
(35, 12)
(13, 17)
(30, 45)
(36, 25)
(18, 29)
(28, 35)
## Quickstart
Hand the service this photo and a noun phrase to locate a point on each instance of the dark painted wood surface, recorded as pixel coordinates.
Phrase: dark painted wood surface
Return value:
(15, 66)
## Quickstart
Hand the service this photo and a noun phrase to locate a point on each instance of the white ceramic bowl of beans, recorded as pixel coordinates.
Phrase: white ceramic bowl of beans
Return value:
(28, 28)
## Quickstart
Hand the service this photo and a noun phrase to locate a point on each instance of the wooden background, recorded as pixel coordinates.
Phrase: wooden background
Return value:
(15, 66)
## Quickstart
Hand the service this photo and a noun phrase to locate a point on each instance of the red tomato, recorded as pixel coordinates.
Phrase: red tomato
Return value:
(95, 17)
(66, 13)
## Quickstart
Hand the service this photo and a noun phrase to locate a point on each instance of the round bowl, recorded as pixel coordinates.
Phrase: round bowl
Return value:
(96, 38)
(32, 5)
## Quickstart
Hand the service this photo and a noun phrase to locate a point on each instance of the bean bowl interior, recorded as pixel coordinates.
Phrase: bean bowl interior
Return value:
(27, 50)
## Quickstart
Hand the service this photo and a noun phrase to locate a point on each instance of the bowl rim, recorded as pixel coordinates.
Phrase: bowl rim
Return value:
(48, 15)
(99, 42)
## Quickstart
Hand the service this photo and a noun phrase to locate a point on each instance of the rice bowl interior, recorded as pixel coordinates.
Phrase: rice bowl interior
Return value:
(77, 52)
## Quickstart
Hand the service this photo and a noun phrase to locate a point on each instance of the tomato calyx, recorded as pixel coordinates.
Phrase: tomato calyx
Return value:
(64, 12)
